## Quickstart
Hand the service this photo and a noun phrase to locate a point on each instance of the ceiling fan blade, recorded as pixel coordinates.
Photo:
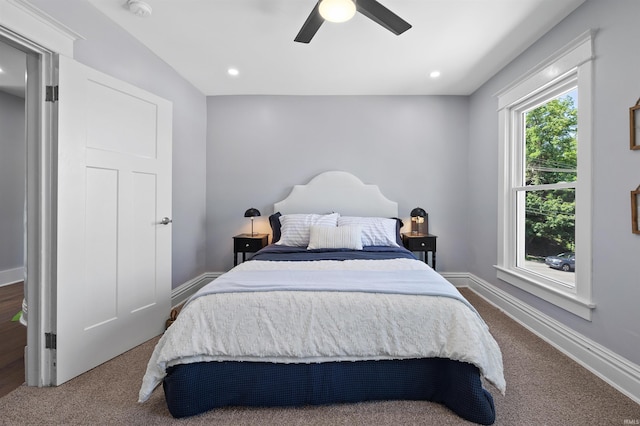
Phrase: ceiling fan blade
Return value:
(310, 26)
(383, 16)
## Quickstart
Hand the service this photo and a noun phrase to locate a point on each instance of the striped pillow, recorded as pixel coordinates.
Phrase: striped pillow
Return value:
(295, 227)
(376, 231)
(330, 237)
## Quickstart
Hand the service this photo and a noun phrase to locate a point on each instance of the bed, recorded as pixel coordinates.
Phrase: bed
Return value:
(335, 310)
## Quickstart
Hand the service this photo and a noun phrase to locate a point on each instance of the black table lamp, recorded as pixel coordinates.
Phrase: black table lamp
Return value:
(419, 224)
(251, 213)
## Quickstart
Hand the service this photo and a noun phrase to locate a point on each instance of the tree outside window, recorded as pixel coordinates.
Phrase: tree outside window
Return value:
(550, 174)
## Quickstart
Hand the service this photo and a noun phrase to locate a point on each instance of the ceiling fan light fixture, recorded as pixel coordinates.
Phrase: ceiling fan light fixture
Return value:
(337, 10)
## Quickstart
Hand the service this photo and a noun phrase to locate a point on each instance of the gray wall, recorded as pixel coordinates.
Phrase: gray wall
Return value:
(413, 147)
(12, 181)
(111, 50)
(616, 171)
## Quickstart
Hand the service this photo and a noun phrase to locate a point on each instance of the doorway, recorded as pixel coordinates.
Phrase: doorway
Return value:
(33, 71)
(13, 160)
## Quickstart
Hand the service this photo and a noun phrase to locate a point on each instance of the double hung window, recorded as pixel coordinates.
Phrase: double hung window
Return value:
(544, 241)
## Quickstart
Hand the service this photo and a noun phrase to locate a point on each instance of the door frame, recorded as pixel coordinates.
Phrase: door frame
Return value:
(39, 198)
(28, 29)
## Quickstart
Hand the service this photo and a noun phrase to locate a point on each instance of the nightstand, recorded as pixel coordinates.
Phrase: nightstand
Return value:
(421, 242)
(247, 243)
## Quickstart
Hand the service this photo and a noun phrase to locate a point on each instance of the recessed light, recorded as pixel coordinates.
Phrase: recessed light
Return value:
(434, 74)
(233, 72)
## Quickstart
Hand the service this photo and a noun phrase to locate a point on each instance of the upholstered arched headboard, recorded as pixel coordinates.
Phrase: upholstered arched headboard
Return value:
(337, 191)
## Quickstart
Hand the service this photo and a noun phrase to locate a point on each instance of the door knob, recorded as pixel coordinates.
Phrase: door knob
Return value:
(165, 221)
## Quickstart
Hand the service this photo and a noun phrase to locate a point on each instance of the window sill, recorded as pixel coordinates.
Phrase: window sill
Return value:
(568, 301)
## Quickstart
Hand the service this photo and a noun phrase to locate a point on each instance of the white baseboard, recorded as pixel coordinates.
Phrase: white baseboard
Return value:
(458, 279)
(11, 276)
(617, 371)
(184, 291)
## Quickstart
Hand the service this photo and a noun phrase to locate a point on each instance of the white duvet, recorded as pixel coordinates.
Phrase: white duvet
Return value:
(341, 315)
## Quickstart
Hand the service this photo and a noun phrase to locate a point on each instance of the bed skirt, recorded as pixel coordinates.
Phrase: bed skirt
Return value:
(192, 389)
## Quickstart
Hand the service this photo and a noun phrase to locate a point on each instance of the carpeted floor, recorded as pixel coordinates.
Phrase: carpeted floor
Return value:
(544, 387)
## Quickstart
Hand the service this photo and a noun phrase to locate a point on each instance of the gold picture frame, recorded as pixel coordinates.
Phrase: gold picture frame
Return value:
(634, 126)
(635, 202)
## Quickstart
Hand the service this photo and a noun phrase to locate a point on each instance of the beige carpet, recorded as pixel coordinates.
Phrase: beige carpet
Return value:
(544, 387)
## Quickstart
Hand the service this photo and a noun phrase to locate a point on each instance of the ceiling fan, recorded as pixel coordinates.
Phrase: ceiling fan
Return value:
(346, 9)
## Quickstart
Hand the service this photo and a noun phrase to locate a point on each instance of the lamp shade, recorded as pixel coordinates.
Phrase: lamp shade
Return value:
(252, 212)
(418, 212)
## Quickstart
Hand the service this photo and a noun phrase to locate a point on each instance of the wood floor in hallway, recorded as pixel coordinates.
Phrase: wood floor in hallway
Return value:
(13, 339)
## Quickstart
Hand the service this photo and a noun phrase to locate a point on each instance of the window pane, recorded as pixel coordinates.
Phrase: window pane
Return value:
(549, 230)
(550, 139)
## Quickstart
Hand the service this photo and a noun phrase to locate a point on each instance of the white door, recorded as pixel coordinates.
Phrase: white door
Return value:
(113, 266)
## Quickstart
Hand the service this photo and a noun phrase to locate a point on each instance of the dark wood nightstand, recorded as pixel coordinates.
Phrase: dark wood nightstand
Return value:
(421, 242)
(247, 243)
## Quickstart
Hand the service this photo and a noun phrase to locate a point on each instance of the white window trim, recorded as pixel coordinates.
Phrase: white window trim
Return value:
(575, 59)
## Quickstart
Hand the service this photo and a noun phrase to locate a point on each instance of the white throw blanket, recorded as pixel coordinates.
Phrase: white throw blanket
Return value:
(356, 319)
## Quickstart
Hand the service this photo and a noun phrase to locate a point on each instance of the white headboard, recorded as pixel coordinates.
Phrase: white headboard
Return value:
(340, 192)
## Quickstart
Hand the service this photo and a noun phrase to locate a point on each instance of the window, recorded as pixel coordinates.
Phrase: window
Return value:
(545, 184)
(545, 180)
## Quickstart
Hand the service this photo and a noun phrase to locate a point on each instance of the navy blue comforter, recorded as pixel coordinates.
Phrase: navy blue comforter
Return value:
(288, 253)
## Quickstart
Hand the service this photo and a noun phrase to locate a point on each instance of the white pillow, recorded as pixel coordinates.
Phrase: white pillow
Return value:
(376, 231)
(295, 227)
(349, 237)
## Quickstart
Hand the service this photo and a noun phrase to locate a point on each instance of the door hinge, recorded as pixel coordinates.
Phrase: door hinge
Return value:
(50, 341)
(51, 94)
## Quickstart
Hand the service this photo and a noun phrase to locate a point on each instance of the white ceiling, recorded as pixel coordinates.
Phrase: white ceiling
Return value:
(468, 41)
